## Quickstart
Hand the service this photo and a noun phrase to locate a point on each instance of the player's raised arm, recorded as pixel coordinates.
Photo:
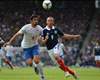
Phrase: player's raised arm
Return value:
(70, 37)
(14, 37)
(20, 32)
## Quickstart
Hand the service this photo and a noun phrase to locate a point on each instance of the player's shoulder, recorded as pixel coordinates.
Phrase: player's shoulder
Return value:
(45, 29)
(39, 26)
(26, 26)
(56, 28)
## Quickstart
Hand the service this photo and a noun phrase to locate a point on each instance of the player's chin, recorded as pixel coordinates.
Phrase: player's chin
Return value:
(36, 24)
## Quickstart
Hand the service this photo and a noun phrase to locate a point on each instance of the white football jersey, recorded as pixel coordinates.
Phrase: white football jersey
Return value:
(31, 35)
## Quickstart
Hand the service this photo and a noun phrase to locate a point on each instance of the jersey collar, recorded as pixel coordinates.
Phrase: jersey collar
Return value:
(49, 28)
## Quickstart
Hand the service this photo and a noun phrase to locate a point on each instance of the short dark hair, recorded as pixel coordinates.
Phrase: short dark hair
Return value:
(33, 16)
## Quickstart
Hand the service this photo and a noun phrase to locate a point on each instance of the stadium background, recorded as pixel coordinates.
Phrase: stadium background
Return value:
(73, 17)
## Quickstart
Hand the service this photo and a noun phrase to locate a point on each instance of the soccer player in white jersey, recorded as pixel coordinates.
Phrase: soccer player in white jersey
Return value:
(50, 37)
(31, 33)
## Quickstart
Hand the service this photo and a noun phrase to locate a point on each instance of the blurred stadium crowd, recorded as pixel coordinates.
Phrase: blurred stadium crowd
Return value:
(73, 17)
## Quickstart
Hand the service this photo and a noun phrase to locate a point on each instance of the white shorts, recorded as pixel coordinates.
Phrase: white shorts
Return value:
(97, 57)
(54, 51)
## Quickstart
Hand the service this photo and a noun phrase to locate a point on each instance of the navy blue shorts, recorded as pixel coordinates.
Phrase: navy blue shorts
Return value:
(31, 52)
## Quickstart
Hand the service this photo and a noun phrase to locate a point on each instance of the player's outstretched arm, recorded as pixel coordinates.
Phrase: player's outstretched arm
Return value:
(14, 37)
(70, 37)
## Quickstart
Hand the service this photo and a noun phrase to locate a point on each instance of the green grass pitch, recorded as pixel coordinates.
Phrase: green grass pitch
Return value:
(52, 73)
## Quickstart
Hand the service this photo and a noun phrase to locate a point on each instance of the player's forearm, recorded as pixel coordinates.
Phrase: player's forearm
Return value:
(70, 37)
(13, 38)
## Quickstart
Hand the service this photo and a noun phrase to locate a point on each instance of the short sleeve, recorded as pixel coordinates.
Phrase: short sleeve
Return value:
(22, 30)
(41, 30)
(60, 32)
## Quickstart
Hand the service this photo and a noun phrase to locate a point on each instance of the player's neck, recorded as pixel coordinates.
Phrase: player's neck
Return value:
(33, 25)
(49, 26)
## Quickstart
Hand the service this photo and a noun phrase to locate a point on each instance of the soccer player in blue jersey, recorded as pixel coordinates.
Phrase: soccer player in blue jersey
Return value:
(50, 37)
(31, 33)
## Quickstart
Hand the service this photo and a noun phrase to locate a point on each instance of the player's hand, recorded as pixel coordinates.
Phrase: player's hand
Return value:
(47, 37)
